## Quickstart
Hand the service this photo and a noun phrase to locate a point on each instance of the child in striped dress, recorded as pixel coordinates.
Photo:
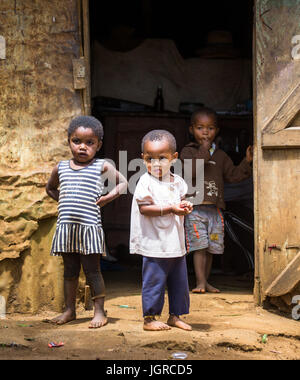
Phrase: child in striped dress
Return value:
(77, 185)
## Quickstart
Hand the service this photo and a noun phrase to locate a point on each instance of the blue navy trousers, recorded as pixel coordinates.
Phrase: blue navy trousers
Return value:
(158, 274)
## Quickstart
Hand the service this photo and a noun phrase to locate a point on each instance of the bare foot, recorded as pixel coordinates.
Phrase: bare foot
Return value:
(212, 289)
(175, 321)
(198, 290)
(98, 321)
(150, 324)
(66, 317)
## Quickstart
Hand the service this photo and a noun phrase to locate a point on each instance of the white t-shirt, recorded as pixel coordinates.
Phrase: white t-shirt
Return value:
(159, 236)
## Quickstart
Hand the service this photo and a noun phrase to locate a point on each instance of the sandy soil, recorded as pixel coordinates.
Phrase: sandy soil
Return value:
(225, 326)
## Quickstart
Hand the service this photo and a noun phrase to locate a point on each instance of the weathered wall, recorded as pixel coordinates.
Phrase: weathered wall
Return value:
(37, 101)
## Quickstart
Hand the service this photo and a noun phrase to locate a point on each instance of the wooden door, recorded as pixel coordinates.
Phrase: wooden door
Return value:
(82, 65)
(277, 150)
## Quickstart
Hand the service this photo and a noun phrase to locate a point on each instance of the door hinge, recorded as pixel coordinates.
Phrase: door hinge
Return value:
(79, 73)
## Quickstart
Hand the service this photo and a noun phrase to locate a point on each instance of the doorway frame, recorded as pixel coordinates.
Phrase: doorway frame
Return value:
(86, 51)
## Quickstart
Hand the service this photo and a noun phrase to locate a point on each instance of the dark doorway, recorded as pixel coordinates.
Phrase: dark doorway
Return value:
(208, 31)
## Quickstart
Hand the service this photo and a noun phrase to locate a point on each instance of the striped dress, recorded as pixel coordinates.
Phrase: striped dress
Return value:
(79, 226)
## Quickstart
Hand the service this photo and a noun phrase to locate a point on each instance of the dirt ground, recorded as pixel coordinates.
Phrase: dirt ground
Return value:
(225, 326)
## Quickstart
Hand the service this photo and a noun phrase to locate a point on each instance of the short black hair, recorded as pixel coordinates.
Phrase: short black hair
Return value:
(159, 135)
(205, 111)
(86, 122)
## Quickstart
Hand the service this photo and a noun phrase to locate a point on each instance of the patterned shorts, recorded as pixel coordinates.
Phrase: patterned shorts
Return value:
(204, 229)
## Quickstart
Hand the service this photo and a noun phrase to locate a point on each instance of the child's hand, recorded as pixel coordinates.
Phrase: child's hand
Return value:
(187, 205)
(205, 143)
(249, 154)
(102, 201)
(180, 210)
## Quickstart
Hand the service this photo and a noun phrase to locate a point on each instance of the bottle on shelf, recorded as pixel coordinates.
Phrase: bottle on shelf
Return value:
(159, 105)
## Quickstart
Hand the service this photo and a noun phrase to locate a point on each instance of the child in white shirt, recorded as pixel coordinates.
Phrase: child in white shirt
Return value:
(157, 232)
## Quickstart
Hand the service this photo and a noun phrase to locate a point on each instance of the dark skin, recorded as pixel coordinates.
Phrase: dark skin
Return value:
(84, 145)
(205, 131)
(158, 158)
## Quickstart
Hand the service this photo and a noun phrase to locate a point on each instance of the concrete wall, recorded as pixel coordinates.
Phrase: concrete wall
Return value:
(37, 101)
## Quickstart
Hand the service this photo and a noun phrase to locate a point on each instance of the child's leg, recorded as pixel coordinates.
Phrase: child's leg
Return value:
(209, 260)
(197, 239)
(200, 267)
(153, 291)
(178, 292)
(216, 242)
(71, 275)
(91, 268)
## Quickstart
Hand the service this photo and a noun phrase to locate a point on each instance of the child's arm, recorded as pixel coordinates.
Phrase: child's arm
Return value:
(116, 177)
(154, 210)
(234, 174)
(192, 154)
(195, 154)
(249, 154)
(52, 184)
